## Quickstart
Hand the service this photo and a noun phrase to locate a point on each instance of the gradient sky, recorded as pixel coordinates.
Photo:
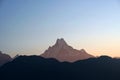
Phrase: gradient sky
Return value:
(31, 26)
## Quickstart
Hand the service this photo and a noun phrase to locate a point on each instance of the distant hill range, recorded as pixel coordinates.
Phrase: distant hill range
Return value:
(63, 52)
(4, 58)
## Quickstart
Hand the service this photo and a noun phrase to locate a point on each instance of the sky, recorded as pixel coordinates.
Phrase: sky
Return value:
(31, 26)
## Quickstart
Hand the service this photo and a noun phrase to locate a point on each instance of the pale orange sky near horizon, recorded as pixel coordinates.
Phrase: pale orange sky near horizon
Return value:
(96, 50)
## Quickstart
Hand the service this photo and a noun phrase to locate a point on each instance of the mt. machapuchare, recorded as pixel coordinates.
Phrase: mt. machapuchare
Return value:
(65, 53)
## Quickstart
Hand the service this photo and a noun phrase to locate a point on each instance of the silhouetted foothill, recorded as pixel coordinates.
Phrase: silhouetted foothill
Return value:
(36, 67)
(4, 58)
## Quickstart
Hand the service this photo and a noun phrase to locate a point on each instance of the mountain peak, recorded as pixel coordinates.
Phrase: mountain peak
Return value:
(63, 52)
(61, 42)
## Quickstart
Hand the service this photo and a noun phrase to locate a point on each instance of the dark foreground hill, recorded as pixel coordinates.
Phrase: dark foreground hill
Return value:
(38, 68)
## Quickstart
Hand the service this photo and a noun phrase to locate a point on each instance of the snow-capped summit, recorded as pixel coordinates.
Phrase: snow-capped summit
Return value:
(61, 42)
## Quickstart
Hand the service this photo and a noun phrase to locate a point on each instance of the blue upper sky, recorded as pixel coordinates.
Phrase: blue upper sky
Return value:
(30, 26)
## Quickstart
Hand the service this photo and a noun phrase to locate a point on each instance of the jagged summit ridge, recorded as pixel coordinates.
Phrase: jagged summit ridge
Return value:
(61, 42)
(63, 52)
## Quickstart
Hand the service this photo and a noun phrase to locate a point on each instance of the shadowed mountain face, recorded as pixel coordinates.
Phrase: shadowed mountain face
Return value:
(39, 68)
(63, 52)
(4, 58)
